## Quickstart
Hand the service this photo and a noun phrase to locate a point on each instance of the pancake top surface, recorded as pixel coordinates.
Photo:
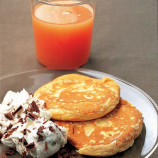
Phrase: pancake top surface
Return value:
(121, 126)
(79, 97)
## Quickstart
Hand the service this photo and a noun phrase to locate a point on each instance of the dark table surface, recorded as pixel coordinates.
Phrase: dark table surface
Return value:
(124, 41)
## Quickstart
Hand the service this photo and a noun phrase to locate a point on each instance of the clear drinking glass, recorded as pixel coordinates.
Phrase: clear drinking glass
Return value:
(63, 31)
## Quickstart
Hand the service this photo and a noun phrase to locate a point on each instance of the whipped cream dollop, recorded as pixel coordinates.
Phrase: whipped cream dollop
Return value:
(26, 126)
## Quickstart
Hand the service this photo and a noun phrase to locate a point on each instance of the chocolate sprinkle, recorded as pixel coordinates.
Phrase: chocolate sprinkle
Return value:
(1, 135)
(24, 141)
(8, 116)
(20, 140)
(25, 111)
(30, 147)
(40, 137)
(9, 127)
(21, 120)
(28, 130)
(25, 119)
(46, 146)
(18, 109)
(45, 122)
(51, 129)
(24, 131)
(41, 129)
(32, 116)
(34, 107)
(10, 132)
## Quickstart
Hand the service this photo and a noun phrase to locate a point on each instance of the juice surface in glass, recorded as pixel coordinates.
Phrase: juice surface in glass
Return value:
(63, 34)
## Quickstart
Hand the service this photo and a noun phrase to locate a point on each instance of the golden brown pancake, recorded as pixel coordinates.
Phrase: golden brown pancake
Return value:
(108, 135)
(76, 97)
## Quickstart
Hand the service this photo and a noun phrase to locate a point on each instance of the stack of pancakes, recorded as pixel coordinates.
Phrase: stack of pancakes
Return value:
(98, 121)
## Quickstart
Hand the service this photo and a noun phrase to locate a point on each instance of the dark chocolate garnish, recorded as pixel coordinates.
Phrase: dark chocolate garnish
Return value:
(1, 135)
(46, 146)
(8, 116)
(32, 116)
(34, 107)
(24, 131)
(25, 119)
(10, 132)
(28, 130)
(30, 147)
(68, 152)
(58, 127)
(51, 129)
(9, 127)
(24, 141)
(40, 137)
(45, 122)
(41, 129)
(17, 110)
(20, 140)
(21, 120)
(26, 111)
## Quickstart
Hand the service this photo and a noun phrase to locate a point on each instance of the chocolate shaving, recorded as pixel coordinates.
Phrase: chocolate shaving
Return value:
(46, 146)
(25, 119)
(68, 152)
(24, 131)
(51, 129)
(57, 127)
(21, 120)
(32, 116)
(40, 137)
(45, 122)
(28, 130)
(34, 107)
(8, 116)
(26, 111)
(24, 141)
(10, 132)
(9, 127)
(41, 129)
(20, 140)
(17, 110)
(1, 135)
(30, 147)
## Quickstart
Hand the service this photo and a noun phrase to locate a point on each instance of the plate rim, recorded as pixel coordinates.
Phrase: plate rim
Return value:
(81, 70)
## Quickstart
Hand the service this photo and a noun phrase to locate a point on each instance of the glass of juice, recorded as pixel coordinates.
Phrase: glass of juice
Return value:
(63, 31)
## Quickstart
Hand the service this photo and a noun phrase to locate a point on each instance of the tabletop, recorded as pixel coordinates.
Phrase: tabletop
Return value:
(124, 41)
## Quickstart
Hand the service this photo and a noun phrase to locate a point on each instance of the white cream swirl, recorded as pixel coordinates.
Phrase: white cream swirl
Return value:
(26, 125)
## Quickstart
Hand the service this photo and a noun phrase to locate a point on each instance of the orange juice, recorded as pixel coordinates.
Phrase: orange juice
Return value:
(63, 34)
